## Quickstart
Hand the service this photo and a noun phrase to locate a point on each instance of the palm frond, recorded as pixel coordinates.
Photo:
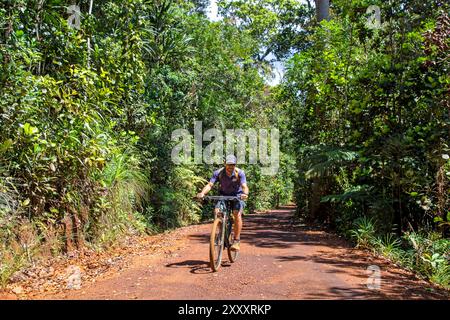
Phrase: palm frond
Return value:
(356, 193)
(324, 160)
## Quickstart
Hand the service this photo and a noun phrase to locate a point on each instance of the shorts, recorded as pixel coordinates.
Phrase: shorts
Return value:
(236, 205)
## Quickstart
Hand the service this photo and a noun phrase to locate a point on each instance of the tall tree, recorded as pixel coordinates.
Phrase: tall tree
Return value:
(322, 9)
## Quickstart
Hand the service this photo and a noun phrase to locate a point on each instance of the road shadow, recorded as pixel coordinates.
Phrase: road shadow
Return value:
(340, 293)
(395, 283)
(203, 238)
(279, 229)
(196, 266)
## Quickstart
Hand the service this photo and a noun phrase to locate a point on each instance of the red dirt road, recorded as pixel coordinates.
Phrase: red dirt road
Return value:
(278, 261)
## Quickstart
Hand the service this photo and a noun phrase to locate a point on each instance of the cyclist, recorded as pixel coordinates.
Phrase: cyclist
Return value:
(232, 183)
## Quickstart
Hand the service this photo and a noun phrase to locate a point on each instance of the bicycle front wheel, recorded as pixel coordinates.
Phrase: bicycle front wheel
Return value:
(216, 244)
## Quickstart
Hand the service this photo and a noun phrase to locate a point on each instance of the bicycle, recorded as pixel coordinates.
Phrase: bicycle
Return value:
(222, 233)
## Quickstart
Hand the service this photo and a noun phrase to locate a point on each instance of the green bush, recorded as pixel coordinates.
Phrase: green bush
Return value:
(363, 232)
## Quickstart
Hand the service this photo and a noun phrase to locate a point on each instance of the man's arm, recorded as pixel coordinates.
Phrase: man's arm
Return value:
(244, 196)
(205, 190)
(244, 186)
(210, 184)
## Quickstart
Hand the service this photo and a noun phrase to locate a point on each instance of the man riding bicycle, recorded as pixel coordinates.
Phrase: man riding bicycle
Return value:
(232, 183)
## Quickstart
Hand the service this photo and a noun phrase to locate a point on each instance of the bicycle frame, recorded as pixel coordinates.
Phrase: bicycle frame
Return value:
(227, 199)
(228, 222)
(227, 216)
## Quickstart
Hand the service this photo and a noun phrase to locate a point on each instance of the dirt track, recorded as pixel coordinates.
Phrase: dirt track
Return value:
(278, 261)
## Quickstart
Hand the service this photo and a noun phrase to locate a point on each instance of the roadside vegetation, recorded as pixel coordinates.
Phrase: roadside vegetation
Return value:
(370, 112)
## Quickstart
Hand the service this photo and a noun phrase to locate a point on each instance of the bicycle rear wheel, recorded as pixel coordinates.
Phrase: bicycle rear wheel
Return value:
(216, 244)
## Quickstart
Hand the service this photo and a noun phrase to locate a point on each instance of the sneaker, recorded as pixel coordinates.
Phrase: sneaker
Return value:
(235, 245)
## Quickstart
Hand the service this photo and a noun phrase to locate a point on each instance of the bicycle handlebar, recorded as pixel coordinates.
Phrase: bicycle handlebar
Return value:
(219, 198)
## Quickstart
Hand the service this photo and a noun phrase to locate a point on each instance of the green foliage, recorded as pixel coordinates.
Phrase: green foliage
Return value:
(358, 99)
(363, 232)
(86, 117)
(277, 26)
(426, 254)
(267, 192)
(323, 161)
(429, 256)
(389, 246)
(119, 211)
(177, 207)
(442, 275)
(369, 121)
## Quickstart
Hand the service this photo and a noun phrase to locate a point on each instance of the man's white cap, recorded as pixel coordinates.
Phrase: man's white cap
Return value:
(231, 159)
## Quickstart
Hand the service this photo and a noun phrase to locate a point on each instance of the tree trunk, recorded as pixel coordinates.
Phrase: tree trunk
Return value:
(322, 9)
(40, 8)
(89, 38)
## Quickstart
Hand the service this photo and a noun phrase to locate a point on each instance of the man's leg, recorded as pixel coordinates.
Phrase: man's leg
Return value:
(237, 214)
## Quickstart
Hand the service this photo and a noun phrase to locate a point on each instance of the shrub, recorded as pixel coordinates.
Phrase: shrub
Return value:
(363, 232)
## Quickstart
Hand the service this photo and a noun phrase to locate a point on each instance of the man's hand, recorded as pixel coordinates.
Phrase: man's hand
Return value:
(244, 196)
